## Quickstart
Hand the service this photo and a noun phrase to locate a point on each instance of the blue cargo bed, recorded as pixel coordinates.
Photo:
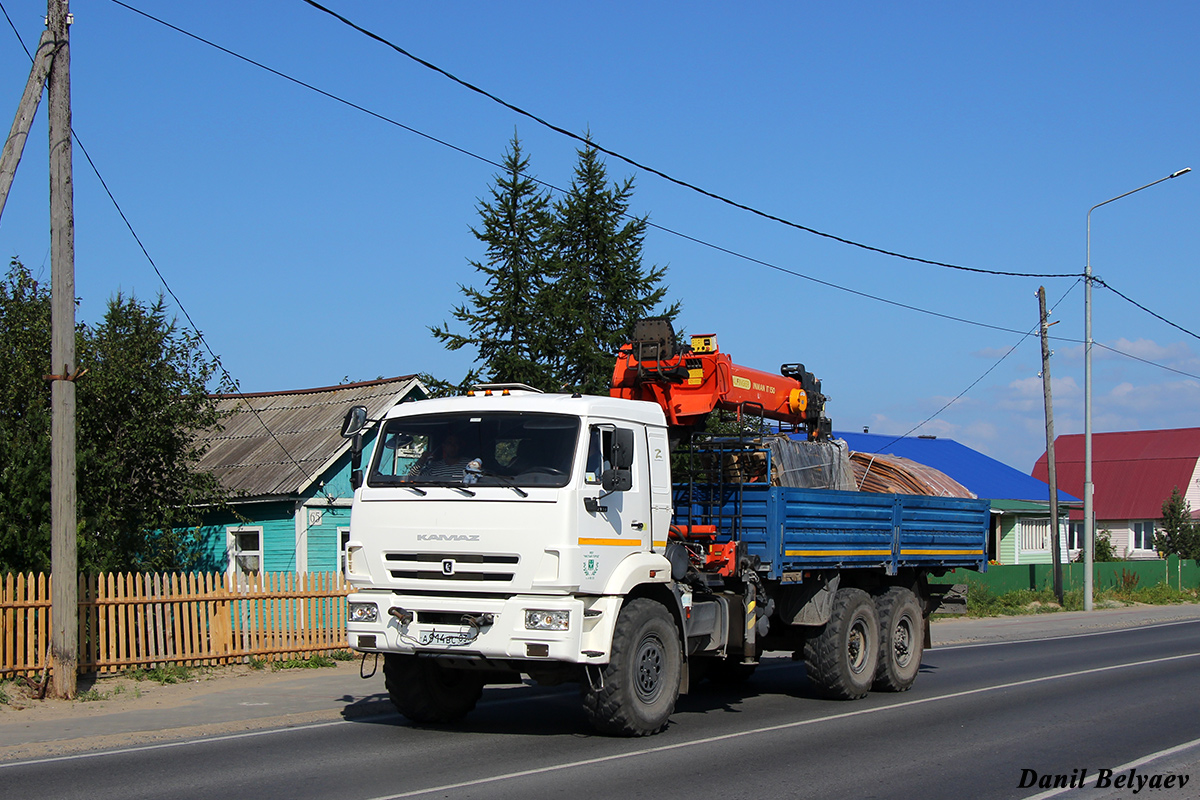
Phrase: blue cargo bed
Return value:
(793, 529)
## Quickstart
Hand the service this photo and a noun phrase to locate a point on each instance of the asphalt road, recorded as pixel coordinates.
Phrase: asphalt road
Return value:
(981, 717)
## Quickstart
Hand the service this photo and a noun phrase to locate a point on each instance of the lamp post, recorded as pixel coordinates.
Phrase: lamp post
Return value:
(1089, 512)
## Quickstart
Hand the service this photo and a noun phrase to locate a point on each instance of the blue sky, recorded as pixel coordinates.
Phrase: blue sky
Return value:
(311, 242)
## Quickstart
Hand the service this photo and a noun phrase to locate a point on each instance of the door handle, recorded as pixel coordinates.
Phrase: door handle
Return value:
(638, 526)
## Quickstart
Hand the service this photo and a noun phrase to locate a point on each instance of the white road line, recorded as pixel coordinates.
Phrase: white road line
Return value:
(587, 762)
(969, 645)
(184, 743)
(772, 728)
(1170, 751)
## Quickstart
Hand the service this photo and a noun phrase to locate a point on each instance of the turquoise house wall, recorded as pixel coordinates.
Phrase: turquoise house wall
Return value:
(278, 536)
(324, 544)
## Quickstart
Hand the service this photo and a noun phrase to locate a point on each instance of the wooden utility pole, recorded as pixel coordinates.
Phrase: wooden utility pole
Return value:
(15, 144)
(64, 597)
(1053, 478)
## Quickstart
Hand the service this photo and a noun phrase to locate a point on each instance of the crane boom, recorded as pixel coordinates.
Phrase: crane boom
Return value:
(690, 381)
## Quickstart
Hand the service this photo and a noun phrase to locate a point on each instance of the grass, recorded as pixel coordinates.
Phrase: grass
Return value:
(315, 661)
(162, 674)
(4, 698)
(342, 655)
(983, 602)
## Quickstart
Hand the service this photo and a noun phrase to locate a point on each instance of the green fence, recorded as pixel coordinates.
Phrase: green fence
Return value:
(1174, 571)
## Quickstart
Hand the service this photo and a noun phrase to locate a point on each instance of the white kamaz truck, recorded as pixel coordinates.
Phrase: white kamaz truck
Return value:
(510, 534)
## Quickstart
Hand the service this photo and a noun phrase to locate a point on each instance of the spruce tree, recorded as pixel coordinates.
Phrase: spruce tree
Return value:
(502, 317)
(1177, 533)
(600, 287)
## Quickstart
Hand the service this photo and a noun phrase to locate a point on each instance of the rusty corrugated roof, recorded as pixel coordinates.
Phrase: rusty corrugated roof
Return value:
(247, 453)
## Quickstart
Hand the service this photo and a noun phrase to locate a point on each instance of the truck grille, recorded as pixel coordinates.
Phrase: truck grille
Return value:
(452, 567)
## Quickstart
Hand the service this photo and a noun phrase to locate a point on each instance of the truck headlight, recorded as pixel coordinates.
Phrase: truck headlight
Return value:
(547, 620)
(363, 612)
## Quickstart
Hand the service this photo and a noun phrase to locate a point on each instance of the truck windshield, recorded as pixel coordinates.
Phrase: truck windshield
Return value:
(489, 449)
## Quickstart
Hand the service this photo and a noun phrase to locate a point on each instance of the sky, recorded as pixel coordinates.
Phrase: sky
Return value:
(313, 243)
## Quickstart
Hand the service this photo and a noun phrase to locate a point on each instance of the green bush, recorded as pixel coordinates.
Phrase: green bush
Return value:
(982, 601)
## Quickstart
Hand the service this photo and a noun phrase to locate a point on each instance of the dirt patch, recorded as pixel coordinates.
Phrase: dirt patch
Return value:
(132, 691)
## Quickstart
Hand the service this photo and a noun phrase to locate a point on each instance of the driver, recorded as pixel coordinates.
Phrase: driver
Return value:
(448, 465)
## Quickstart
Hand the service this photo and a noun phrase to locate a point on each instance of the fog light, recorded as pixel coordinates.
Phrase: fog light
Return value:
(547, 620)
(363, 612)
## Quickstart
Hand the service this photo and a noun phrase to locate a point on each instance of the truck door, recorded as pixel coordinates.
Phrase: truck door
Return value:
(620, 525)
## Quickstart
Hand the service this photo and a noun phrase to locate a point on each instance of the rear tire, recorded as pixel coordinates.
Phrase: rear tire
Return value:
(902, 640)
(842, 659)
(640, 683)
(426, 692)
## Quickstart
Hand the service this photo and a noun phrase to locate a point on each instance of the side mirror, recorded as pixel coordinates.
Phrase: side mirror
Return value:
(622, 449)
(354, 421)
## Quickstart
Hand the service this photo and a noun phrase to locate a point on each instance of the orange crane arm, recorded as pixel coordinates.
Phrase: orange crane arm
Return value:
(690, 382)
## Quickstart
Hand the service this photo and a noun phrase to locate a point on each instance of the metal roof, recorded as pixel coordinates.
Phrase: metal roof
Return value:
(1133, 471)
(985, 476)
(273, 444)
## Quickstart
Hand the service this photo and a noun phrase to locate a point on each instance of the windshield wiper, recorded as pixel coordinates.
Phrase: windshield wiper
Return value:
(507, 481)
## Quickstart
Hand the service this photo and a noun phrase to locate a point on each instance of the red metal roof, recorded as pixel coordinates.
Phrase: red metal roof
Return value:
(1134, 471)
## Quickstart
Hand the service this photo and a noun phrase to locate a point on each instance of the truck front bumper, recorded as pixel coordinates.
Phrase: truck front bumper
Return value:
(487, 627)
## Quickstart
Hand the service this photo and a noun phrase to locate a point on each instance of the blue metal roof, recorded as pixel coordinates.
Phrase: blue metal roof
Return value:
(983, 475)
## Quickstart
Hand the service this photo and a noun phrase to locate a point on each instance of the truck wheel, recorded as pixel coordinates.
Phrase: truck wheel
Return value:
(426, 692)
(639, 685)
(902, 639)
(841, 660)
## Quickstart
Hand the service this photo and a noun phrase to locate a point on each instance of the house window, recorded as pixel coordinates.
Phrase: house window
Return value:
(343, 541)
(245, 551)
(1075, 536)
(1143, 535)
(1035, 534)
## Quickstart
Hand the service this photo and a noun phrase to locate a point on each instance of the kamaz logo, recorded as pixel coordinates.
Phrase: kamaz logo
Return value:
(447, 537)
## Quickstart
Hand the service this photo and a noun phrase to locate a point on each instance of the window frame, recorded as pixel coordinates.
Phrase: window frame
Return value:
(1138, 532)
(233, 548)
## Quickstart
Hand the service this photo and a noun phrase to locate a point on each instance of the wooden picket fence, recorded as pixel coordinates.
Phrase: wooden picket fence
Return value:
(145, 620)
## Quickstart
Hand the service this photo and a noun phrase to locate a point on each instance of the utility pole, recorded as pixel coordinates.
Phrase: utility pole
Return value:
(15, 144)
(64, 597)
(1050, 467)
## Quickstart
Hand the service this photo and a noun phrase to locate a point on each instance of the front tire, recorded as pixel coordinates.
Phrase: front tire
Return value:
(842, 659)
(428, 693)
(902, 640)
(639, 685)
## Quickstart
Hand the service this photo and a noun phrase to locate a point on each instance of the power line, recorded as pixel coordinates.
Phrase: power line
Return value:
(587, 142)
(555, 188)
(166, 285)
(973, 383)
(1145, 361)
(551, 186)
(1131, 301)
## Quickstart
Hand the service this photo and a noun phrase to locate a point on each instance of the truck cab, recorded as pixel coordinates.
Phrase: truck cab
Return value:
(499, 533)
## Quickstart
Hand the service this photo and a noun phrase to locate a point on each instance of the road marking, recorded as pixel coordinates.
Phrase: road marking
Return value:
(588, 762)
(969, 645)
(184, 743)
(772, 728)
(1170, 751)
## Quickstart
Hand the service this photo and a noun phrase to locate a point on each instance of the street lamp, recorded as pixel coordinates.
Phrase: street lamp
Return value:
(1089, 512)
